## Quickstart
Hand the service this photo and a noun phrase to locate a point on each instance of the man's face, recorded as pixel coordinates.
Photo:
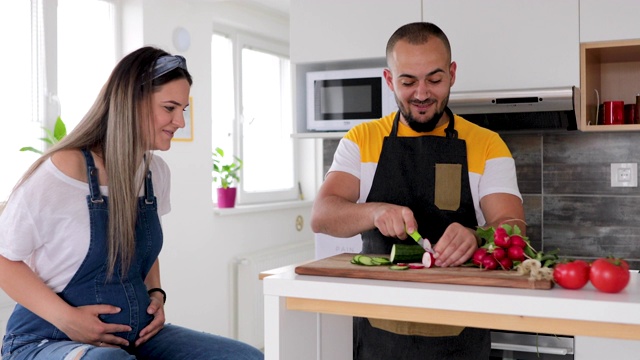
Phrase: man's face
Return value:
(421, 77)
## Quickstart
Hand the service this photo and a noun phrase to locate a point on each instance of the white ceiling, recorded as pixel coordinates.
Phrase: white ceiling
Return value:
(280, 6)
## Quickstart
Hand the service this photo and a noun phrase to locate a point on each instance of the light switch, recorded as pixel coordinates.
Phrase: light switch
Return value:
(624, 174)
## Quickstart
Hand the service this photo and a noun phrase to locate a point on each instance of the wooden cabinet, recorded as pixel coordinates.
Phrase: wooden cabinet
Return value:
(338, 30)
(609, 20)
(506, 44)
(613, 69)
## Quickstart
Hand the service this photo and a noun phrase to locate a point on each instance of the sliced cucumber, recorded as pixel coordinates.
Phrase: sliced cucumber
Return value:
(366, 260)
(398, 267)
(381, 261)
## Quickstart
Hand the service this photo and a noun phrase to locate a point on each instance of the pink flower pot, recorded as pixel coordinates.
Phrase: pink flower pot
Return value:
(226, 197)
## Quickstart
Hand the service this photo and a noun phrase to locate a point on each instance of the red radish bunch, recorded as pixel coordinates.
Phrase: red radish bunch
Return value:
(504, 248)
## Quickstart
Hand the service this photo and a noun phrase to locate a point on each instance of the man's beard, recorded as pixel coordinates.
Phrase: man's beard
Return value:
(417, 126)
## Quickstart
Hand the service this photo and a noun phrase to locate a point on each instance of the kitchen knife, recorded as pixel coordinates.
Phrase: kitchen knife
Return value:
(425, 243)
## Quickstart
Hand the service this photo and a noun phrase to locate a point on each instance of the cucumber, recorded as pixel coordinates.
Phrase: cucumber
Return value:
(366, 260)
(363, 260)
(405, 253)
(381, 261)
(398, 267)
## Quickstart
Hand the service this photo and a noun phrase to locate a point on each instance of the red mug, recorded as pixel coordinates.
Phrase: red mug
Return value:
(613, 113)
(629, 113)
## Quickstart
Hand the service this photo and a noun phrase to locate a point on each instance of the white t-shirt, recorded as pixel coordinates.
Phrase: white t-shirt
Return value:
(46, 222)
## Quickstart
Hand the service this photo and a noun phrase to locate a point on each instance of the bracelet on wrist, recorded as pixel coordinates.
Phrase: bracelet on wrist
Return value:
(164, 294)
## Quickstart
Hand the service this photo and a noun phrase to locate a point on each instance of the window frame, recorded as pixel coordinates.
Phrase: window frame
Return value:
(244, 40)
(51, 107)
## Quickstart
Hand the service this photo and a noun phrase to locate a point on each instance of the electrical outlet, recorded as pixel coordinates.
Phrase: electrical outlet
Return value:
(624, 174)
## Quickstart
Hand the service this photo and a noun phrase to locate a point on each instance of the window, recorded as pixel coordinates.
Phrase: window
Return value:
(55, 69)
(19, 126)
(251, 107)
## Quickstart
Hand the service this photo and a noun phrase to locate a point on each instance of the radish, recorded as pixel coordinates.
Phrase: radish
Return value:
(489, 263)
(428, 260)
(517, 240)
(499, 253)
(515, 253)
(501, 238)
(478, 255)
(506, 263)
(416, 266)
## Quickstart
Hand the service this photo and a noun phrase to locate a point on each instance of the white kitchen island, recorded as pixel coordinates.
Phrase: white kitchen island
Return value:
(309, 317)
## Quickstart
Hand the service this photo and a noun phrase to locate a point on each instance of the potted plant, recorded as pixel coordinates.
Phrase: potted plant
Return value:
(226, 175)
(52, 137)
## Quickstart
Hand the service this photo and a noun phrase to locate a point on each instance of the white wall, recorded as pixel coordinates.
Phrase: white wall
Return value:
(199, 245)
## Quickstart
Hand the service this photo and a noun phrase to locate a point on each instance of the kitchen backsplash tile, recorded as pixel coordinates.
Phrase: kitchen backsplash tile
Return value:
(565, 180)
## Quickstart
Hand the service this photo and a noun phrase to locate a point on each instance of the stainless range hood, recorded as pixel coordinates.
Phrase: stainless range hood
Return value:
(519, 110)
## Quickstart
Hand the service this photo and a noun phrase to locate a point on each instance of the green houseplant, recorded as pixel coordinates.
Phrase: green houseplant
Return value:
(226, 174)
(52, 137)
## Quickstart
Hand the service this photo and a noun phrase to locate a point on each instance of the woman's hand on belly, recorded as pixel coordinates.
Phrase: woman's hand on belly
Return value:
(84, 325)
(156, 309)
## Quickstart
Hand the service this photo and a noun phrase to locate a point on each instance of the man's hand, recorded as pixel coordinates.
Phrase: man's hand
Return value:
(394, 220)
(456, 246)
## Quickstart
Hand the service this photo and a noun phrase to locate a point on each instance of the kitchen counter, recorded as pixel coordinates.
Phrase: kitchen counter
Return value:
(297, 325)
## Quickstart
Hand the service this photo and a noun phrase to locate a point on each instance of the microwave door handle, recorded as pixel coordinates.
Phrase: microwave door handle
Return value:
(530, 348)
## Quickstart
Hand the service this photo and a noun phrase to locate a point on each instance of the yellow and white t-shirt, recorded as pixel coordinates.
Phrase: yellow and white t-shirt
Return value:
(491, 166)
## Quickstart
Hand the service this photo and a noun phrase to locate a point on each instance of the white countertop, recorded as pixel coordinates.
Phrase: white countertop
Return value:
(586, 304)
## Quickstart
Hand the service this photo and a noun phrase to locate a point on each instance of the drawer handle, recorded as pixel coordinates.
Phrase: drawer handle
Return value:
(531, 349)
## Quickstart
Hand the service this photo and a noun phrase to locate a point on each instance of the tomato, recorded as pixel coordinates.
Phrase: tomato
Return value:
(571, 275)
(610, 274)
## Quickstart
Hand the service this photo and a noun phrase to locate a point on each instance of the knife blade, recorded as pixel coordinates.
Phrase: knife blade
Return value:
(425, 243)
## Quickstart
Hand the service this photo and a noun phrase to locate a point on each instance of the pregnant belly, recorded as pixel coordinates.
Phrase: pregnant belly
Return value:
(133, 301)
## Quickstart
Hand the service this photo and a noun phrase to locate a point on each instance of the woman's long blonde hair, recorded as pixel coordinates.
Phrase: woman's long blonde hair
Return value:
(119, 127)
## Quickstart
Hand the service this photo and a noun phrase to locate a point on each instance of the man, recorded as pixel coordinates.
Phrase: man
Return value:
(424, 169)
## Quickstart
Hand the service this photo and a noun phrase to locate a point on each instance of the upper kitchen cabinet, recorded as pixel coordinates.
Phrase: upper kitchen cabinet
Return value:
(609, 20)
(506, 44)
(339, 30)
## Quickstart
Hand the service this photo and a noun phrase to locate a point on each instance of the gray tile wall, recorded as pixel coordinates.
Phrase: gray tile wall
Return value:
(565, 180)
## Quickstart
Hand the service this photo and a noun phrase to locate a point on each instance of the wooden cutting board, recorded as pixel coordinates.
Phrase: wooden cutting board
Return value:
(340, 266)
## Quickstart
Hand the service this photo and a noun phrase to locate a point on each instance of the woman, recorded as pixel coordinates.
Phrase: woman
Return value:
(87, 283)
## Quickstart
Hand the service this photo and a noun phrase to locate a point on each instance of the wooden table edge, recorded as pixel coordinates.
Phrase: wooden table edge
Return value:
(465, 318)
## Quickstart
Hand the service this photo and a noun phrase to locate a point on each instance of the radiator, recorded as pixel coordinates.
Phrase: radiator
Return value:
(249, 298)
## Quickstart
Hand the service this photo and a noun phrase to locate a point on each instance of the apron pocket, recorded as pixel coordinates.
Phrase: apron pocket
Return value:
(448, 186)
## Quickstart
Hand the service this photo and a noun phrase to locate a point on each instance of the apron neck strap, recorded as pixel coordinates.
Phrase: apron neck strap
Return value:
(450, 131)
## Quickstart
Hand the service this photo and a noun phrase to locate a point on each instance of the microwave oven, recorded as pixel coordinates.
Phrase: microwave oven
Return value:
(337, 100)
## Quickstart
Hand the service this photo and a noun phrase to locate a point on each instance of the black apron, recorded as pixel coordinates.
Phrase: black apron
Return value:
(429, 175)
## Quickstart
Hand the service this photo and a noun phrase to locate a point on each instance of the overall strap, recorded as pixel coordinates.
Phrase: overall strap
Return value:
(92, 177)
(148, 187)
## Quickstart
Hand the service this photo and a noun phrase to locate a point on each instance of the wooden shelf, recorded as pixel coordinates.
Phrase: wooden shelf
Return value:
(613, 69)
(319, 135)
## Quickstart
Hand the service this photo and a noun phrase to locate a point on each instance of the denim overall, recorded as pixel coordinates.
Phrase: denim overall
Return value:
(90, 284)
(406, 176)
(29, 337)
